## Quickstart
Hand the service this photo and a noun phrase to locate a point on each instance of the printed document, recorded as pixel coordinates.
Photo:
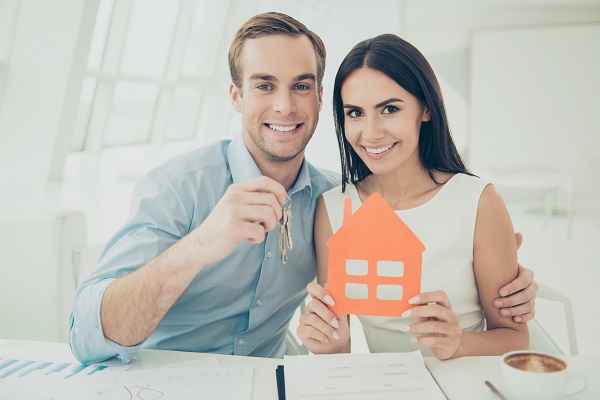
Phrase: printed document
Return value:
(376, 376)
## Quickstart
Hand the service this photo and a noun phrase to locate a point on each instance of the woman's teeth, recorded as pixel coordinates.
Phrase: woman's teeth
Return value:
(379, 149)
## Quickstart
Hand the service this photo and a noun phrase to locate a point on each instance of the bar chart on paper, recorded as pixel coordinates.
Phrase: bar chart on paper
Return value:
(43, 377)
(13, 368)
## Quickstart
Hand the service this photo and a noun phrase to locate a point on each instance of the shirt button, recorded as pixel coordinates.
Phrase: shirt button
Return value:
(241, 342)
(269, 254)
(259, 302)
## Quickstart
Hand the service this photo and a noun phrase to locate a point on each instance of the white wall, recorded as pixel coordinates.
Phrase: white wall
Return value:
(535, 96)
(42, 80)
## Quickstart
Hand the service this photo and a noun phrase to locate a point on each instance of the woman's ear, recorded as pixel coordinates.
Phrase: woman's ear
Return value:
(426, 115)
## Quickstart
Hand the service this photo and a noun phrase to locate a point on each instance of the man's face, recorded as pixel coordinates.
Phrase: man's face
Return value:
(280, 100)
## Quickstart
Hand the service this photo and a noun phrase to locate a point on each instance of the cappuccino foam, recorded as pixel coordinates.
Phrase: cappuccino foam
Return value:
(535, 362)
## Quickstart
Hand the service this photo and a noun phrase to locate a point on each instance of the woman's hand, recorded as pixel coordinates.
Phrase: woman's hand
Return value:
(437, 325)
(321, 330)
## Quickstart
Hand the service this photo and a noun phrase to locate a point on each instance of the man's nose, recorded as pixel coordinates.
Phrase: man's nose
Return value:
(284, 102)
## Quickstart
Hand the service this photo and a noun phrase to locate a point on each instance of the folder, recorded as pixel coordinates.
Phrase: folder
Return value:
(280, 382)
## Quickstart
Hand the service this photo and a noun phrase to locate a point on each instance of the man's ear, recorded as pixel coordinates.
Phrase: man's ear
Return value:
(320, 97)
(236, 97)
(426, 115)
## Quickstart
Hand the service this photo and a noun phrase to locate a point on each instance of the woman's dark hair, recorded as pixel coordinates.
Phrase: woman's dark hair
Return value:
(403, 63)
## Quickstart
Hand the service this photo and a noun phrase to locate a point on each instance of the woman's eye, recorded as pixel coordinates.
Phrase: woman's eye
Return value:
(389, 110)
(354, 113)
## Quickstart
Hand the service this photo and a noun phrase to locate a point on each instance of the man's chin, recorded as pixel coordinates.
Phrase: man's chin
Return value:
(282, 158)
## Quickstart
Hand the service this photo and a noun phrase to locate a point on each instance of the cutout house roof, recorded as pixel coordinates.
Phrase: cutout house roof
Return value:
(376, 235)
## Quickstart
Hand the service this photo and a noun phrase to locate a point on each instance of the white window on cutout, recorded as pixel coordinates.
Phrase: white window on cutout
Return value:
(390, 268)
(389, 292)
(357, 291)
(357, 267)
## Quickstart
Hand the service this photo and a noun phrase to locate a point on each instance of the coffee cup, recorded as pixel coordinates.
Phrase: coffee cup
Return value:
(531, 375)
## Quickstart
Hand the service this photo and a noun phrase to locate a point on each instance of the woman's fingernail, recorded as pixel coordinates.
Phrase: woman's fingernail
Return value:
(335, 323)
(335, 335)
(498, 304)
(518, 319)
(504, 312)
(329, 300)
(406, 314)
(414, 300)
(504, 293)
(405, 328)
(414, 339)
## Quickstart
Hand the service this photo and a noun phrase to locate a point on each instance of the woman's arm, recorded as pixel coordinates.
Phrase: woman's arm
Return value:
(321, 330)
(495, 265)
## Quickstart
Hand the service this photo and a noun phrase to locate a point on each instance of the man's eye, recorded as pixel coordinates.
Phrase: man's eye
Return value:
(389, 110)
(354, 113)
(263, 86)
(302, 87)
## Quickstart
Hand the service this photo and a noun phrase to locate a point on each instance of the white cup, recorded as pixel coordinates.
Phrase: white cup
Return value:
(532, 375)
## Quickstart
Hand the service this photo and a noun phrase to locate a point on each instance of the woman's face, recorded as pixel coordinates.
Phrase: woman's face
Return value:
(382, 120)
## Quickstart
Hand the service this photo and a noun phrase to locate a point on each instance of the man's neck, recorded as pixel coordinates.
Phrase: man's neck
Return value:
(284, 172)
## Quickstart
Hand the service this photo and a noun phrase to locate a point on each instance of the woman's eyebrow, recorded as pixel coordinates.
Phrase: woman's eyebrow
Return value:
(388, 101)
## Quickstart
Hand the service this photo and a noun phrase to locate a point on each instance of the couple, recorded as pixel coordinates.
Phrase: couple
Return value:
(198, 268)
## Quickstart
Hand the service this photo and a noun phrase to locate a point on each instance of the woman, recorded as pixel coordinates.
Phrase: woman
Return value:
(395, 141)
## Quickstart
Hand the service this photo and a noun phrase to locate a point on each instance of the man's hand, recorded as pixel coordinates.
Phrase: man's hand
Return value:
(517, 299)
(247, 210)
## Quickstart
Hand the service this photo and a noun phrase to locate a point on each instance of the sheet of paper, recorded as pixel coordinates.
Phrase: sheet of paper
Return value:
(218, 383)
(26, 375)
(377, 376)
(199, 362)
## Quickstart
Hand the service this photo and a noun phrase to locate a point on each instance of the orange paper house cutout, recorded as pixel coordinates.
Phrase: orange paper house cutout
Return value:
(377, 254)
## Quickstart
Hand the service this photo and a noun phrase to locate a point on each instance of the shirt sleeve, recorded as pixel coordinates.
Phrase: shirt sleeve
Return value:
(158, 219)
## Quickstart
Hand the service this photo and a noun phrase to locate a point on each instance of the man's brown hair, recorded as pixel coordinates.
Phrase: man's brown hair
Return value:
(272, 23)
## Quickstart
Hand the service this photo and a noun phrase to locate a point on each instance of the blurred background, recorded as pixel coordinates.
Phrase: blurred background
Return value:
(94, 93)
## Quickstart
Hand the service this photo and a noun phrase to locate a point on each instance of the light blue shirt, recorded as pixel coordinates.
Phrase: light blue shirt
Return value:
(240, 305)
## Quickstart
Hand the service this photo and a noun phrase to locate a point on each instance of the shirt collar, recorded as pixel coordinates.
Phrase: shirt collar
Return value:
(243, 167)
(241, 163)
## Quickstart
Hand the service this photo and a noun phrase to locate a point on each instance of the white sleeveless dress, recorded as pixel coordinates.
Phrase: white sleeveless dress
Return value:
(446, 226)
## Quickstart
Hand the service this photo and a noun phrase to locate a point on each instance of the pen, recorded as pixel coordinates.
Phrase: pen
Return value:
(496, 391)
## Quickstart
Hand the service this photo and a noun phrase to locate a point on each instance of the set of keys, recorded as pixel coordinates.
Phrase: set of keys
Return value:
(285, 231)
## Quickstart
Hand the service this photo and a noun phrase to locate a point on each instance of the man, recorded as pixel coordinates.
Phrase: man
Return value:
(197, 267)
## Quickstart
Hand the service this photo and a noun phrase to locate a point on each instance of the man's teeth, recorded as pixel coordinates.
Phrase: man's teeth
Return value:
(283, 128)
(379, 150)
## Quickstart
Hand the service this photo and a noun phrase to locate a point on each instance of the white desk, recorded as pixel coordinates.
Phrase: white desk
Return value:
(460, 379)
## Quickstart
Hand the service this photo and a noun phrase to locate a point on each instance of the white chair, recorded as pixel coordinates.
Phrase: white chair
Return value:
(36, 264)
(547, 181)
(540, 339)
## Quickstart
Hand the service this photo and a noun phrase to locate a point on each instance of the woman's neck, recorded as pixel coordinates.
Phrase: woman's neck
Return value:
(403, 189)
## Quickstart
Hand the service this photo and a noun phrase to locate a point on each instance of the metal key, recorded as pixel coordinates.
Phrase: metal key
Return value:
(285, 231)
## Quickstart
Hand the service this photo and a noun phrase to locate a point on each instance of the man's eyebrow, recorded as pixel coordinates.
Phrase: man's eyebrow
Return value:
(262, 77)
(388, 101)
(308, 76)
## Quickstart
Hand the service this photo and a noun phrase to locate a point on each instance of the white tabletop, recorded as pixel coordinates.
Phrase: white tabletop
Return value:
(460, 379)
(464, 378)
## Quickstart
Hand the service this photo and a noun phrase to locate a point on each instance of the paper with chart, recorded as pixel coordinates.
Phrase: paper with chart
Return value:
(377, 376)
(26, 375)
(218, 383)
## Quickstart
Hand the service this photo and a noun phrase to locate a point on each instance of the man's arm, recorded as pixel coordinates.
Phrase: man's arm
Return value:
(127, 308)
(134, 305)
(517, 299)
